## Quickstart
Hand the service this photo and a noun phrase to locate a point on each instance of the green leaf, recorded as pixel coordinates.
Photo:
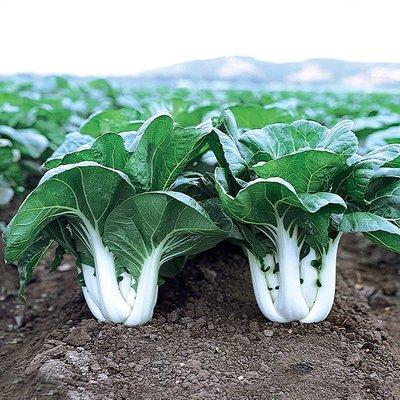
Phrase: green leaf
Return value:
(58, 257)
(374, 227)
(228, 154)
(386, 202)
(172, 267)
(168, 220)
(59, 232)
(72, 142)
(193, 116)
(364, 126)
(6, 154)
(30, 259)
(340, 139)
(85, 191)
(277, 140)
(261, 199)
(226, 123)
(257, 116)
(194, 185)
(11, 174)
(382, 138)
(122, 120)
(107, 150)
(307, 170)
(163, 152)
(354, 182)
(253, 239)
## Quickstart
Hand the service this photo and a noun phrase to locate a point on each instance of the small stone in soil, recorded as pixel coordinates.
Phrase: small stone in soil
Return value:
(243, 340)
(268, 332)
(353, 359)
(302, 368)
(53, 371)
(374, 376)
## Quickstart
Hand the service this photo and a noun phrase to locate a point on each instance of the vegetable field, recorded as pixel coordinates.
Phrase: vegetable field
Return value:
(173, 243)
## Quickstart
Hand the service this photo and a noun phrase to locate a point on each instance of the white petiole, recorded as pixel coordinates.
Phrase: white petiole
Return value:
(309, 276)
(290, 303)
(113, 301)
(299, 291)
(147, 290)
(327, 279)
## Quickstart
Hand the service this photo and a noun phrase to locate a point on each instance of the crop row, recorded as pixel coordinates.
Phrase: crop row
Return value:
(132, 199)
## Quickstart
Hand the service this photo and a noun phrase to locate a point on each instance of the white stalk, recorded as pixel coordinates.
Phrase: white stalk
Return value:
(261, 292)
(91, 283)
(147, 289)
(309, 275)
(130, 298)
(290, 303)
(127, 291)
(125, 284)
(111, 302)
(93, 307)
(272, 278)
(327, 277)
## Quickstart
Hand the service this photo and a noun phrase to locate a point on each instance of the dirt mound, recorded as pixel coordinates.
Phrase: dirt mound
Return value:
(207, 339)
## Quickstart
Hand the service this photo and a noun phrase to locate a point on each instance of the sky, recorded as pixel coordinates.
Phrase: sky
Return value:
(124, 37)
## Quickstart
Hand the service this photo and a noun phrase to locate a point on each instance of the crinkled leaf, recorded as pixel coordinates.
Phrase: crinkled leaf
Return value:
(277, 140)
(307, 170)
(228, 155)
(31, 257)
(163, 152)
(386, 202)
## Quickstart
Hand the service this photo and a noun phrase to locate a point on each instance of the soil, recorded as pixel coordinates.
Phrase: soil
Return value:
(207, 339)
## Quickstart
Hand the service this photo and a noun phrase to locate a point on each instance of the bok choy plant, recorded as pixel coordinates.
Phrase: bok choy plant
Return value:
(290, 190)
(108, 202)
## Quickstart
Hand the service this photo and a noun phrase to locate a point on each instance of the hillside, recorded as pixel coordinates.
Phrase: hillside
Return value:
(311, 72)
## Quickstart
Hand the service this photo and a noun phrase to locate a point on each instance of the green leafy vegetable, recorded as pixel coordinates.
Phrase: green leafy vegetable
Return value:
(123, 233)
(289, 217)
